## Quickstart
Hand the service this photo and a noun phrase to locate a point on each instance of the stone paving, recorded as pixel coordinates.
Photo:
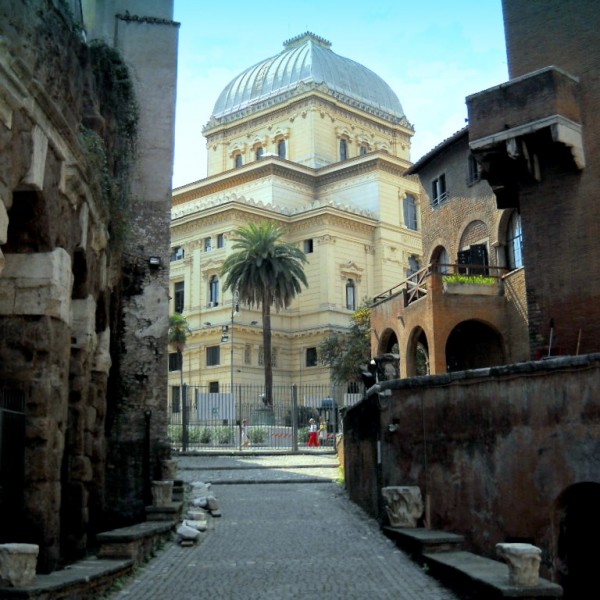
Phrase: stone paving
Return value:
(304, 539)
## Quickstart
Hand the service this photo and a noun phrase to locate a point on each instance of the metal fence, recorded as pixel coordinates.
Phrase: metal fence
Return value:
(201, 419)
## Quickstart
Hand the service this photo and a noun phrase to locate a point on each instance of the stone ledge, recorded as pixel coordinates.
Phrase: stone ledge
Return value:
(488, 577)
(136, 542)
(418, 540)
(86, 579)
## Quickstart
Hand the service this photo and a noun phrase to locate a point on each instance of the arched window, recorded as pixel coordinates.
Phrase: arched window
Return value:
(237, 160)
(410, 212)
(259, 153)
(214, 291)
(441, 260)
(343, 149)
(281, 148)
(350, 295)
(514, 242)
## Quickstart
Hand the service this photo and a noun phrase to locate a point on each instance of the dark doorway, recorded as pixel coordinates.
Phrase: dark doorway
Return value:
(473, 345)
(578, 553)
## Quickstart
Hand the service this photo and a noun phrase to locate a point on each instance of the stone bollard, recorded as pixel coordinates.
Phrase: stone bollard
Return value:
(523, 563)
(162, 493)
(17, 564)
(403, 504)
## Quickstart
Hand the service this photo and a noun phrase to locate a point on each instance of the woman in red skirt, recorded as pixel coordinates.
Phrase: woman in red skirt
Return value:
(312, 433)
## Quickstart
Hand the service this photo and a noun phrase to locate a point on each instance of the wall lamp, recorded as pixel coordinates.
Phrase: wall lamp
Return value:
(154, 262)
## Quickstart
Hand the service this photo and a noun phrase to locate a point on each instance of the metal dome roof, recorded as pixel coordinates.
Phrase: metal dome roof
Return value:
(308, 61)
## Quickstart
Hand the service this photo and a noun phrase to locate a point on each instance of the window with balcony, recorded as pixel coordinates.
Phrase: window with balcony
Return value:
(409, 206)
(178, 296)
(213, 356)
(475, 259)
(439, 193)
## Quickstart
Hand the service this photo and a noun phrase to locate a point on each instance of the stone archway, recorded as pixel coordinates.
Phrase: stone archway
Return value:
(388, 342)
(417, 354)
(473, 345)
(576, 531)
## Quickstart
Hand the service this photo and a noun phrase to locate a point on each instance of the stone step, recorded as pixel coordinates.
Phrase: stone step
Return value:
(487, 577)
(418, 540)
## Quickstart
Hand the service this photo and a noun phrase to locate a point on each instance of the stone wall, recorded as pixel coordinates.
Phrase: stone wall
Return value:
(494, 451)
(74, 277)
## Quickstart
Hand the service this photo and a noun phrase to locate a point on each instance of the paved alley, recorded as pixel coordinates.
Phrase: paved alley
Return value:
(288, 531)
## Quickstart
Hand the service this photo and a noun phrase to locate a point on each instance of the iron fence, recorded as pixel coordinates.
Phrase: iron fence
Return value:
(232, 418)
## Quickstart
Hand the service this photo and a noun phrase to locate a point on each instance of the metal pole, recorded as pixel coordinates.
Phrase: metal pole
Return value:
(294, 418)
(234, 309)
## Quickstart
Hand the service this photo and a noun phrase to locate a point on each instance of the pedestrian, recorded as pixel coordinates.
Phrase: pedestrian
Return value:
(244, 439)
(322, 432)
(312, 433)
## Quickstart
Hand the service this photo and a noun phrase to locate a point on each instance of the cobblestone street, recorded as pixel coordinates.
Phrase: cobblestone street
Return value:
(294, 535)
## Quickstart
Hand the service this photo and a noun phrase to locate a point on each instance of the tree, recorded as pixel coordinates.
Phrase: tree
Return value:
(266, 272)
(347, 354)
(178, 334)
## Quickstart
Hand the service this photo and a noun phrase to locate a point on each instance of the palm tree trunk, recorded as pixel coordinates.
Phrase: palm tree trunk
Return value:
(267, 350)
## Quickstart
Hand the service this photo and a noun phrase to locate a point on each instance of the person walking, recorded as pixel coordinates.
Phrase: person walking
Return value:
(245, 441)
(322, 432)
(312, 433)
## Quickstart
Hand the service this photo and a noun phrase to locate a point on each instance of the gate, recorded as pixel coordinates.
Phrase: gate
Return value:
(201, 419)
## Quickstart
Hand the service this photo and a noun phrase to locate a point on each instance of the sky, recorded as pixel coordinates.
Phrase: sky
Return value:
(432, 53)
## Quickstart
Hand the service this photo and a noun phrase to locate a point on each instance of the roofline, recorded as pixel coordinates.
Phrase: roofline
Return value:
(432, 154)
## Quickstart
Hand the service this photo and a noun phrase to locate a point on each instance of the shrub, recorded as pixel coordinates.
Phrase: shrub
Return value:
(257, 435)
(477, 279)
(223, 435)
(303, 435)
(204, 435)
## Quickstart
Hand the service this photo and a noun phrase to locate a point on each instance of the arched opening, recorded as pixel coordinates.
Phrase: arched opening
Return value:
(388, 343)
(577, 527)
(440, 259)
(473, 345)
(417, 357)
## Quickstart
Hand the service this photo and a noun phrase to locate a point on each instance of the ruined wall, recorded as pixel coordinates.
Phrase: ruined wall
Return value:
(71, 276)
(493, 449)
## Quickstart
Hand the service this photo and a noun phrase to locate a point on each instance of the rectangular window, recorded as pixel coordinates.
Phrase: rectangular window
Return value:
(410, 212)
(207, 244)
(213, 387)
(311, 357)
(247, 355)
(213, 356)
(438, 190)
(473, 175)
(178, 294)
(220, 241)
(308, 246)
(177, 253)
(261, 356)
(274, 357)
(175, 361)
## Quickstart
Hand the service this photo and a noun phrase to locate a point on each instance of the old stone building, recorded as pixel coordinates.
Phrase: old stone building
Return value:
(318, 144)
(466, 307)
(85, 168)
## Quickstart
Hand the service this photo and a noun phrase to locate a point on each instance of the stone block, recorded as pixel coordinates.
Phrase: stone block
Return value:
(18, 563)
(162, 493)
(523, 563)
(403, 504)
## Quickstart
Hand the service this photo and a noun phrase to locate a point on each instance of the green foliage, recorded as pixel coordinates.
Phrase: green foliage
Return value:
(346, 354)
(303, 435)
(223, 435)
(476, 279)
(204, 435)
(179, 330)
(257, 435)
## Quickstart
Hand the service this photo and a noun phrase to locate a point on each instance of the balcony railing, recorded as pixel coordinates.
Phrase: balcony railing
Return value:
(417, 285)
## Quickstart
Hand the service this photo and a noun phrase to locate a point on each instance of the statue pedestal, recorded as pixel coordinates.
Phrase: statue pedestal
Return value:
(17, 564)
(262, 416)
(162, 493)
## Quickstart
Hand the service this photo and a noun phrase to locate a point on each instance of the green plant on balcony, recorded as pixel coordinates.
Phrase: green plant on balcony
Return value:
(471, 279)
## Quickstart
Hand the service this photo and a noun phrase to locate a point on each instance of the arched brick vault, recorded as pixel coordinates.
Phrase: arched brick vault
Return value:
(474, 344)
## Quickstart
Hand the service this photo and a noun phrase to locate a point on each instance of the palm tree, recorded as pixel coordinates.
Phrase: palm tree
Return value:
(178, 333)
(266, 272)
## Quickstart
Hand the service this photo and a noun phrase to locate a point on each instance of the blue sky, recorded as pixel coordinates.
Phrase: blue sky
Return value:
(432, 53)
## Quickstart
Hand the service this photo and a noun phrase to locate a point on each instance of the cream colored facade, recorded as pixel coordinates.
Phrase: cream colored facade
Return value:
(345, 212)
